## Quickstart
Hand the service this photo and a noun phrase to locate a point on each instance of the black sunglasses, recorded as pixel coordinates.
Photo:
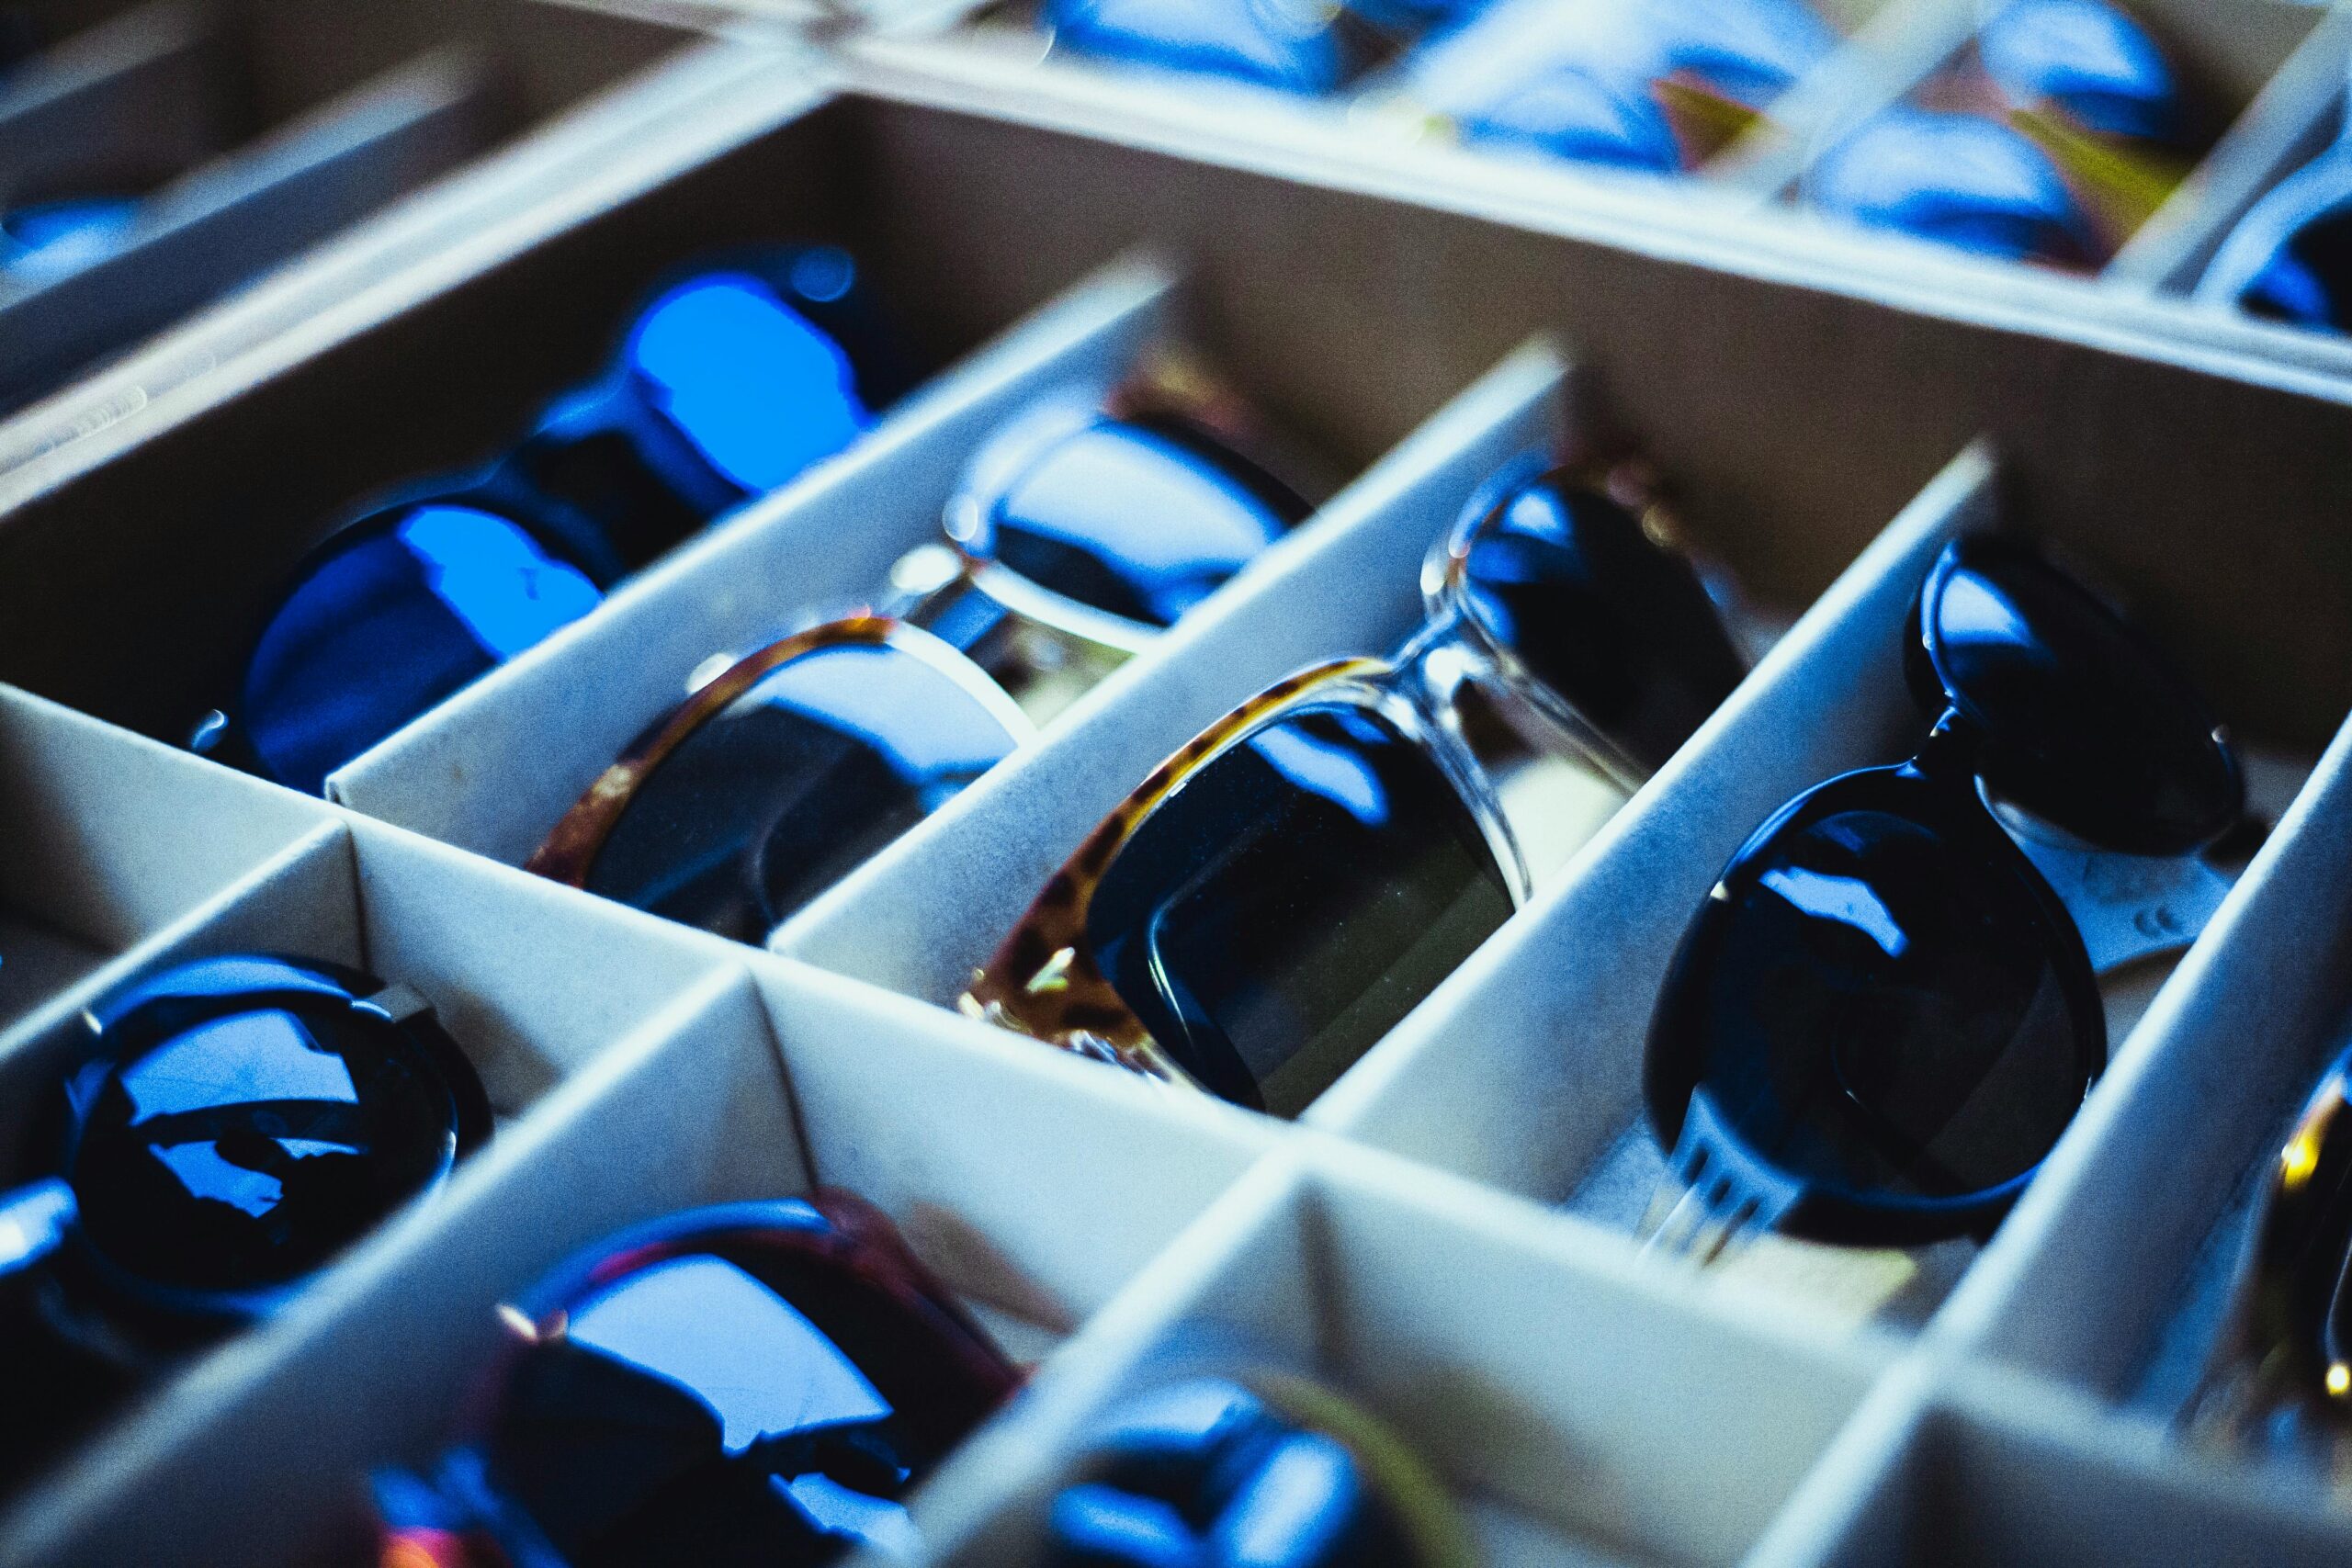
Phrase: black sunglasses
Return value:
(1288, 885)
(1883, 1018)
(1079, 533)
(757, 1383)
(731, 382)
(237, 1123)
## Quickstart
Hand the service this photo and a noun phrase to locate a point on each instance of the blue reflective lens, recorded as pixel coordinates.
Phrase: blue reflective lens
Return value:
(46, 241)
(2088, 60)
(1749, 50)
(1139, 518)
(1957, 178)
(1295, 45)
(383, 630)
(751, 381)
(1575, 114)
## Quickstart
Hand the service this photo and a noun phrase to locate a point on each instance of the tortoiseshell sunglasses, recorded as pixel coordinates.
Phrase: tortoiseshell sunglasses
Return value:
(1082, 530)
(1288, 886)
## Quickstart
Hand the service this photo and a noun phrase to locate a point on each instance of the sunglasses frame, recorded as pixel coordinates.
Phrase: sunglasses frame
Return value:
(569, 853)
(1043, 980)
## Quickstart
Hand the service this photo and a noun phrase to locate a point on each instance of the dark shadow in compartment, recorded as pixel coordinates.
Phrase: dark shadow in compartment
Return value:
(226, 136)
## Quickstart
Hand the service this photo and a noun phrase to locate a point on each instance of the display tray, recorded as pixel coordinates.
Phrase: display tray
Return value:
(1452, 1230)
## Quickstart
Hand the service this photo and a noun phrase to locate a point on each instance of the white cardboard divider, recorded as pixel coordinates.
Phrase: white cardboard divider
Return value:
(2115, 1267)
(492, 768)
(1583, 1415)
(140, 93)
(230, 220)
(919, 915)
(714, 1098)
(107, 839)
(2002, 1472)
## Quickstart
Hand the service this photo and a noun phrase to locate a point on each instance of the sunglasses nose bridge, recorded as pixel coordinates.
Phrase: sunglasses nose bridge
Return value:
(1951, 753)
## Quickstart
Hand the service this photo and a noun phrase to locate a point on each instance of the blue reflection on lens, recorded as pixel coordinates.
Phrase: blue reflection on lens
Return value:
(706, 1326)
(754, 383)
(385, 629)
(1749, 50)
(1575, 114)
(1335, 772)
(49, 240)
(1126, 519)
(2087, 58)
(237, 1060)
(495, 579)
(1275, 43)
(926, 727)
(1957, 178)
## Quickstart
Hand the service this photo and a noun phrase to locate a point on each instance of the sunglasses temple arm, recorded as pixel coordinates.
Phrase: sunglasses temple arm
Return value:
(33, 1223)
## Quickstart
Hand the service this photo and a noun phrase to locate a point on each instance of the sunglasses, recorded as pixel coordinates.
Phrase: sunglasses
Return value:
(1078, 534)
(1307, 47)
(2282, 1372)
(2075, 145)
(2290, 259)
(1271, 1471)
(729, 383)
(1288, 886)
(1882, 1017)
(1651, 86)
(751, 1382)
(237, 1123)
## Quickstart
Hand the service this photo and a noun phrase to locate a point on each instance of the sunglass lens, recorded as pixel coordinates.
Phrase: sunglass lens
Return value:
(1955, 178)
(744, 1386)
(1293, 899)
(1881, 1000)
(385, 627)
(1204, 1472)
(760, 389)
(2082, 721)
(1583, 115)
(1140, 518)
(1564, 577)
(795, 782)
(2308, 279)
(2088, 60)
(247, 1150)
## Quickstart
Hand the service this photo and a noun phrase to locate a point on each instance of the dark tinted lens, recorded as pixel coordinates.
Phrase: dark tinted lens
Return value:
(1205, 1472)
(2088, 60)
(2308, 279)
(795, 783)
(1957, 179)
(1564, 577)
(760, 389)
(1882, 999)
(1292, 900)
(384, 628)
(1139, 518)
(746, 1394)
(2083, 721)
(247, 1151)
